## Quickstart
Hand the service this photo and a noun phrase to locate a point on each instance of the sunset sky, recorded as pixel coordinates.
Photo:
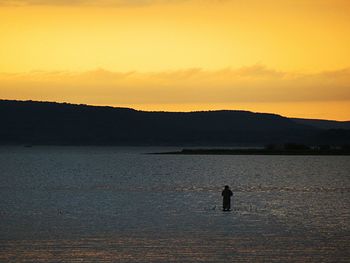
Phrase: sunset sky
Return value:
(290, 57)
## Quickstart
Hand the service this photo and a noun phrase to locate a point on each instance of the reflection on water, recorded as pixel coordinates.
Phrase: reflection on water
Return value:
(112, 204)
(179, 249)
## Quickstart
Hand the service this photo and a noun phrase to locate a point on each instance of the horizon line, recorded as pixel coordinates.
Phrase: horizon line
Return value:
(164, 111)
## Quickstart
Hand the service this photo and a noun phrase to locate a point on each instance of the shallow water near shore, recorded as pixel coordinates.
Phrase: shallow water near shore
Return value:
(113, 204)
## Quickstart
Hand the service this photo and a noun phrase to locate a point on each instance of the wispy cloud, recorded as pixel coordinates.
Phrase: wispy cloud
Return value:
(249, 84)
(256, 88)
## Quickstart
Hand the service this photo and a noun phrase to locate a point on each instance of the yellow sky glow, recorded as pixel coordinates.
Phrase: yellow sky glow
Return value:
(262, 55)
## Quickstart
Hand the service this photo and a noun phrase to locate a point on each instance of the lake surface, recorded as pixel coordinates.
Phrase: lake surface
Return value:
(112, 204)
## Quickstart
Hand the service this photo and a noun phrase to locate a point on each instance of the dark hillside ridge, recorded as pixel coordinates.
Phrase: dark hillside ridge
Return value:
(323, 124)
(47, 123)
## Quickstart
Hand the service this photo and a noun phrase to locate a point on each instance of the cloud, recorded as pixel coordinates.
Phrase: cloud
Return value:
(255, 88)
(256, 84)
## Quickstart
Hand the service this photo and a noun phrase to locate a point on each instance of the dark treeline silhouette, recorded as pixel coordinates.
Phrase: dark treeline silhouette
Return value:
(46, 123)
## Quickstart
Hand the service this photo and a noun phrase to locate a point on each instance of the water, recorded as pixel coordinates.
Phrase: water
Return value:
(110, 204)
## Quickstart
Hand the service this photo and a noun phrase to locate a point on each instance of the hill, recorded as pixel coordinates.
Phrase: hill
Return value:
(47, 123)
(324, 124)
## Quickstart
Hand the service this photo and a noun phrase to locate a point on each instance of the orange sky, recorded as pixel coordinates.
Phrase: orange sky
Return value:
(288, 57)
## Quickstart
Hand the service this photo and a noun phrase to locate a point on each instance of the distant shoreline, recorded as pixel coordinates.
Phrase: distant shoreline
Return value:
(257, 152)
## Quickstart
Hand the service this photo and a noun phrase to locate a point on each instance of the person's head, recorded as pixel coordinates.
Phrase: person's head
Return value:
(227, 187)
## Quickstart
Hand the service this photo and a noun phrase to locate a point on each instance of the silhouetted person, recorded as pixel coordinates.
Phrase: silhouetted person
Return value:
(226, 202)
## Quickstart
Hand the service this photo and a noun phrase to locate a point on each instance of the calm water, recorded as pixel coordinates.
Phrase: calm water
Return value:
(97, 204)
